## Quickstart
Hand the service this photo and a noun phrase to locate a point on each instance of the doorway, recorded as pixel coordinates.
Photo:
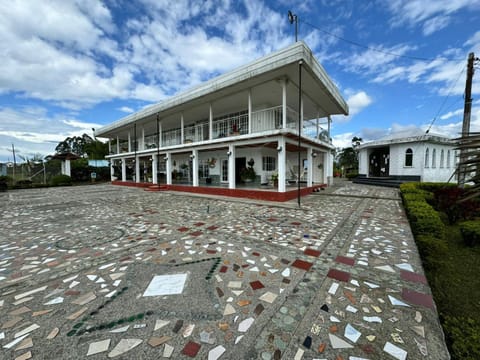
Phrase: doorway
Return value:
(379, 162)
(240, 164)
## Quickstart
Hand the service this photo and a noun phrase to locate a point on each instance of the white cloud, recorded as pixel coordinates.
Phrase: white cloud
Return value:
(431, 15)
(343, 140)
(358, 101)
(435, 24)
(126, 109)
(33, 130)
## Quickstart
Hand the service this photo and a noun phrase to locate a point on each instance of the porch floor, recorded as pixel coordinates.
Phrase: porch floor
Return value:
(266, 193)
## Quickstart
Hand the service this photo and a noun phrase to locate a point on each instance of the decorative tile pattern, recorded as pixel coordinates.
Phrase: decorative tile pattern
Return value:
(258, 277)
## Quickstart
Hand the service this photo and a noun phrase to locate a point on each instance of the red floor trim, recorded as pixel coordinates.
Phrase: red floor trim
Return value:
(238, 193)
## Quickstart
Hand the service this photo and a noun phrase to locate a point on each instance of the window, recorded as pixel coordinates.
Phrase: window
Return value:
(442, 158)
(203, 169)
(268, 163)
(409, 157)
(427, 158)
(434, 160)
(448, 159)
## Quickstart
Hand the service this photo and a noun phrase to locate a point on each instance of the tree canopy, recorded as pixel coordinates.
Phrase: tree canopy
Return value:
(81, 145)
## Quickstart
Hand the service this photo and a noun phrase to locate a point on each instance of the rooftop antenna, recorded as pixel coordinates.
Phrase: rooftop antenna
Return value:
(293, 17)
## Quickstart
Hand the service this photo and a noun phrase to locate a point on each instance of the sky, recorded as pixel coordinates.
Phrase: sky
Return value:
(70, 66)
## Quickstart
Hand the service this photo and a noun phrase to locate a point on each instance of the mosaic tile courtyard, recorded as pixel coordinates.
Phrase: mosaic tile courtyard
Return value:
(102, 272)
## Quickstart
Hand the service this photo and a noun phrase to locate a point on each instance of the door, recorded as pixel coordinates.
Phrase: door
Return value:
(240, 164)
(379, 164)
(224, 170)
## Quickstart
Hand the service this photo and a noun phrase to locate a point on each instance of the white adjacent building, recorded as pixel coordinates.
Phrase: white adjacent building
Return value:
(427, 158)
(247, 118)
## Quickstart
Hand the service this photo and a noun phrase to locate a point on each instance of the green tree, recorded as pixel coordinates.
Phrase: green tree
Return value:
(81, 145)
(347, 160)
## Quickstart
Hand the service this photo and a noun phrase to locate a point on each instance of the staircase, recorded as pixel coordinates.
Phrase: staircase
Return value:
(382, 181)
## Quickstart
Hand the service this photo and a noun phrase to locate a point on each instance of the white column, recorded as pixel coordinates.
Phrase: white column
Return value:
(112, 170)
(310, 166)
(67, 168)
(129, 142)
(317, 125)
(142, 142)
(154, 168)
(195, 167)
(168, 167)
(282, 164)
(124, 169)
(118, 145)
(182, 130)
(249, 111)
(109, 146)
(284, 104)
(137, 170)
(62, 166)
(328, 168)
(231, 166)
(210, 122)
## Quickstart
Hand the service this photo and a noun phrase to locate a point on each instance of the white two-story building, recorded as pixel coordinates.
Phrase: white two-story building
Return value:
(237, 131)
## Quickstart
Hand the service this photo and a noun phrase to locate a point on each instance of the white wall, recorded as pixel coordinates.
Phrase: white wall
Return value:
(437, 173)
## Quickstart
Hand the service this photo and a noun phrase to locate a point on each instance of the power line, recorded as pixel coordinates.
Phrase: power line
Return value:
(445, 99)
(370, 48)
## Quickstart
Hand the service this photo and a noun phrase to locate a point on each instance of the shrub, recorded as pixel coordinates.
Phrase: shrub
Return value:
(352, 175)
(432, 250)
(61, 180)
(425, 220)
(447, 199)
(23, 184)
(3, 183)
(410, 187)
(470, 232)
(463, 337)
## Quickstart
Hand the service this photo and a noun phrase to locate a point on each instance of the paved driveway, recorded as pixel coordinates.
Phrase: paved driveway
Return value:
(103, 271)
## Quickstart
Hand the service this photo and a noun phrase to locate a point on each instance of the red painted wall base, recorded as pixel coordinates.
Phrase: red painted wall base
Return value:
(238, 193)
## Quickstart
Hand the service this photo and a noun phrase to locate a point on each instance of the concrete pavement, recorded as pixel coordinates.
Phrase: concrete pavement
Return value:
(103, 272)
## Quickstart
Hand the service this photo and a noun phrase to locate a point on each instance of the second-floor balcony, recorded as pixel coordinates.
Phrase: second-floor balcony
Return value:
(231, 125)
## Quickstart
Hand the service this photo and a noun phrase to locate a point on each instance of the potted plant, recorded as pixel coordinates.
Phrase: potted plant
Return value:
(274, 178)
(248, 174)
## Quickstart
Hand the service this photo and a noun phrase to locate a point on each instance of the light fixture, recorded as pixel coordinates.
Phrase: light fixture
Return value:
(279, 148)
(229, 153)
(192, 156)
(314, 154)
(165, 158)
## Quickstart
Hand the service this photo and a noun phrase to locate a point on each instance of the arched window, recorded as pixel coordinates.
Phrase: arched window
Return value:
(409, 157)
(427, 161)
(442, 158)
(434, 160)
(448, 159)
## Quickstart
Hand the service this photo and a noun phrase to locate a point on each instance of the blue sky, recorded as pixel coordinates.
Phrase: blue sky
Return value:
(68, 66)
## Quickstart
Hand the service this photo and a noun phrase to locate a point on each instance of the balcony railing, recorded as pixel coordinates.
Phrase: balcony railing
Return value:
(232, 125)
(195, 133)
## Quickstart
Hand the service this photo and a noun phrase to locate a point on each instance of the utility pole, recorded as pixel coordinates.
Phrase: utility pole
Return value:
(14, 161)
(466, 120)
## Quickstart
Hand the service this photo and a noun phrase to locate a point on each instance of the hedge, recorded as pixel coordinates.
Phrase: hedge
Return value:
(61, 180)
(470, 232)
(424, 220)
